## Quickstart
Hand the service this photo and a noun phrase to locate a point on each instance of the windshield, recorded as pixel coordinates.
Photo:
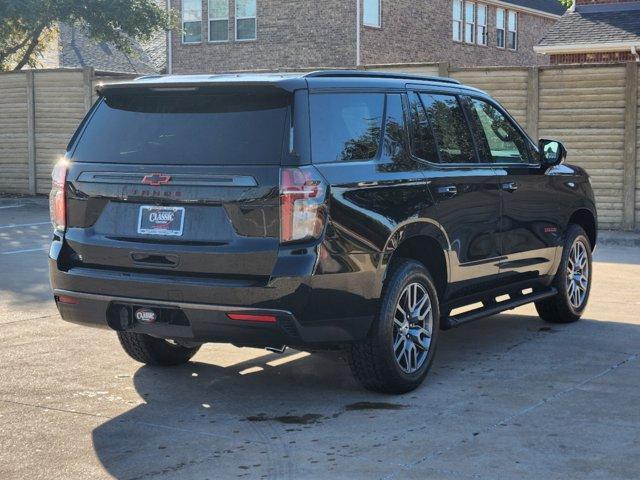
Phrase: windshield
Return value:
(196, 128)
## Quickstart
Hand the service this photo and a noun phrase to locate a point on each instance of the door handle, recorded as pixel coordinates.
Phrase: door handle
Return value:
(509, 186)
(367, 184)
(449, 190)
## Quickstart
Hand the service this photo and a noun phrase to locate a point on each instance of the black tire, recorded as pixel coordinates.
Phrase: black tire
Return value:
(559, 308)
(154, 351)
(373, 361)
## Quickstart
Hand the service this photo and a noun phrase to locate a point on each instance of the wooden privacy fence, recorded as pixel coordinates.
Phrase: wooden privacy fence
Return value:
(593, 109)
(39, 111)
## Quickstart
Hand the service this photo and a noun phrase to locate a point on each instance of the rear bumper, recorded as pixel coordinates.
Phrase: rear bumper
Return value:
(303, 315)
(197, 322)
(203, 323)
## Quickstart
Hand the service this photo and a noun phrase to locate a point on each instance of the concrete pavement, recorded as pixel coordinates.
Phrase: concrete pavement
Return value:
(507, 397)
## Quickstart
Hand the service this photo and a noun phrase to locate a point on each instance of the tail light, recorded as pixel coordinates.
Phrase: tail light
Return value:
(302, 204)
(57, 200)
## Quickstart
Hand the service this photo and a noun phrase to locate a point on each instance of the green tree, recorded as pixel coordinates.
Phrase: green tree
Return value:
(26, 26)
(566, 3)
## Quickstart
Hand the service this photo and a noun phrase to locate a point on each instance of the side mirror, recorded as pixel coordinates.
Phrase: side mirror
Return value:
(552, 152)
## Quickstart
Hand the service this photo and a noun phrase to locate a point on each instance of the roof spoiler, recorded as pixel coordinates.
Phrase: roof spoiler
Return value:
(103, 90)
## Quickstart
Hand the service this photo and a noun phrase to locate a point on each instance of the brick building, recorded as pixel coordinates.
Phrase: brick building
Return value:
(595, 31)
(236, 35)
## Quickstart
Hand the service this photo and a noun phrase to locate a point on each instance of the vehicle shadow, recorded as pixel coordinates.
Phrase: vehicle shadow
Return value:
(214, 420)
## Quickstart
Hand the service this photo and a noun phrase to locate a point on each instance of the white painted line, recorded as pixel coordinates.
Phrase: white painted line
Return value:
(16, 225)
(12, 206)
(41, 249)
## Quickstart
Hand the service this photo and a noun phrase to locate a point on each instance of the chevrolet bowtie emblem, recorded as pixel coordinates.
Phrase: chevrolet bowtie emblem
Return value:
(156, 179)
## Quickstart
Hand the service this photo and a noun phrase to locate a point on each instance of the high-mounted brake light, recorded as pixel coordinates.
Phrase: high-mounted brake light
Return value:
(57, 199)
(302, 204)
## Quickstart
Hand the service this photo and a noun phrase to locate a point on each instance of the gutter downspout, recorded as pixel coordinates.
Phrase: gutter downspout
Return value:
(169, 68)
(358, 62)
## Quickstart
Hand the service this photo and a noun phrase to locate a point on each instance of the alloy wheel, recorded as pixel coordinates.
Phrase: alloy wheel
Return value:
(577, 274)
(412, 328)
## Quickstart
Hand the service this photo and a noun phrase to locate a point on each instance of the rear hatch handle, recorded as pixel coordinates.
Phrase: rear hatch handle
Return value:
(155, 260)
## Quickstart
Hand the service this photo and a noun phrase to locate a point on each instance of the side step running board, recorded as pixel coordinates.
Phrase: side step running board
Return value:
(493, 307)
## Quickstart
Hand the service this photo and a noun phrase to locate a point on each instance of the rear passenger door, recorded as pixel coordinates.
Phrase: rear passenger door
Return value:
(529, 233)
(465, 191)
(359, 143)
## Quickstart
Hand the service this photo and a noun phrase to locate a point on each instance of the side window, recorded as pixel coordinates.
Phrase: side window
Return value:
(246, 16)
(457, 20)
(450, 128)
(218, 20)
(394, 141)
(345, 126)
(482, 24)
(505, 143)
(191, 21)
(500, 32)
(512, 38)
(371, 13)
(469, 22)
(423, 144)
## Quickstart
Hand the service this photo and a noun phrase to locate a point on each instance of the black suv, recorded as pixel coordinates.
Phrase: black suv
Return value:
(334, 209)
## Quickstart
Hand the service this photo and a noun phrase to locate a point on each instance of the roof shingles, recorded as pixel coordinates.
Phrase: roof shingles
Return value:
(576, 28)
(76, 49)
(549, 6)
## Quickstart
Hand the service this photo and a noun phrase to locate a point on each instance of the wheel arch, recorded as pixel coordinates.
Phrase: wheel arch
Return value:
(587, 220)
(425, 242)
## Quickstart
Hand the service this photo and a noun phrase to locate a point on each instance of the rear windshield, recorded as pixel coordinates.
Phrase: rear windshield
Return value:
(196, 128)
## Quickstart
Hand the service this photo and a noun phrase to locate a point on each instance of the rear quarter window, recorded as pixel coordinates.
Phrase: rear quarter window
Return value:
(345, 126)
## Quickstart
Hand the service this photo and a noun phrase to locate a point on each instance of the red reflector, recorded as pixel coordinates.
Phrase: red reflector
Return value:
(67, 300)
(252, 318)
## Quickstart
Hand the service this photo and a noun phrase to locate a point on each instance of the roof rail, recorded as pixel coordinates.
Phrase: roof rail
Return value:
(148, 76)
(375, 74)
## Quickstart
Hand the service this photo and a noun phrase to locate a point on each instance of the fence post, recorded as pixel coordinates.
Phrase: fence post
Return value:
(443, 69)
(31, 130)
(87, 80)
(630, 147)
(533, 102)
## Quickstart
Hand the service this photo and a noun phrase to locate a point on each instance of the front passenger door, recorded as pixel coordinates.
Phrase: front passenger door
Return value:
(529, 234)
(466, 193)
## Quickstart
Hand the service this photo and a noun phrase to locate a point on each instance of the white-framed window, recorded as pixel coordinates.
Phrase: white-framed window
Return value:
(246, 18)
(191, 21)
(512, 38)
(500, 31)
(371, 13)
(469, 22)
(457, 20)
(482, 24)
(218, 20)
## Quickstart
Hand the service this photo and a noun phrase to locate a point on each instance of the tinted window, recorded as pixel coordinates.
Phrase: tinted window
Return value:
(394, 134)
(423, 144)
(503, 140)
(450, 128)
(345, 126)
(186, 128)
